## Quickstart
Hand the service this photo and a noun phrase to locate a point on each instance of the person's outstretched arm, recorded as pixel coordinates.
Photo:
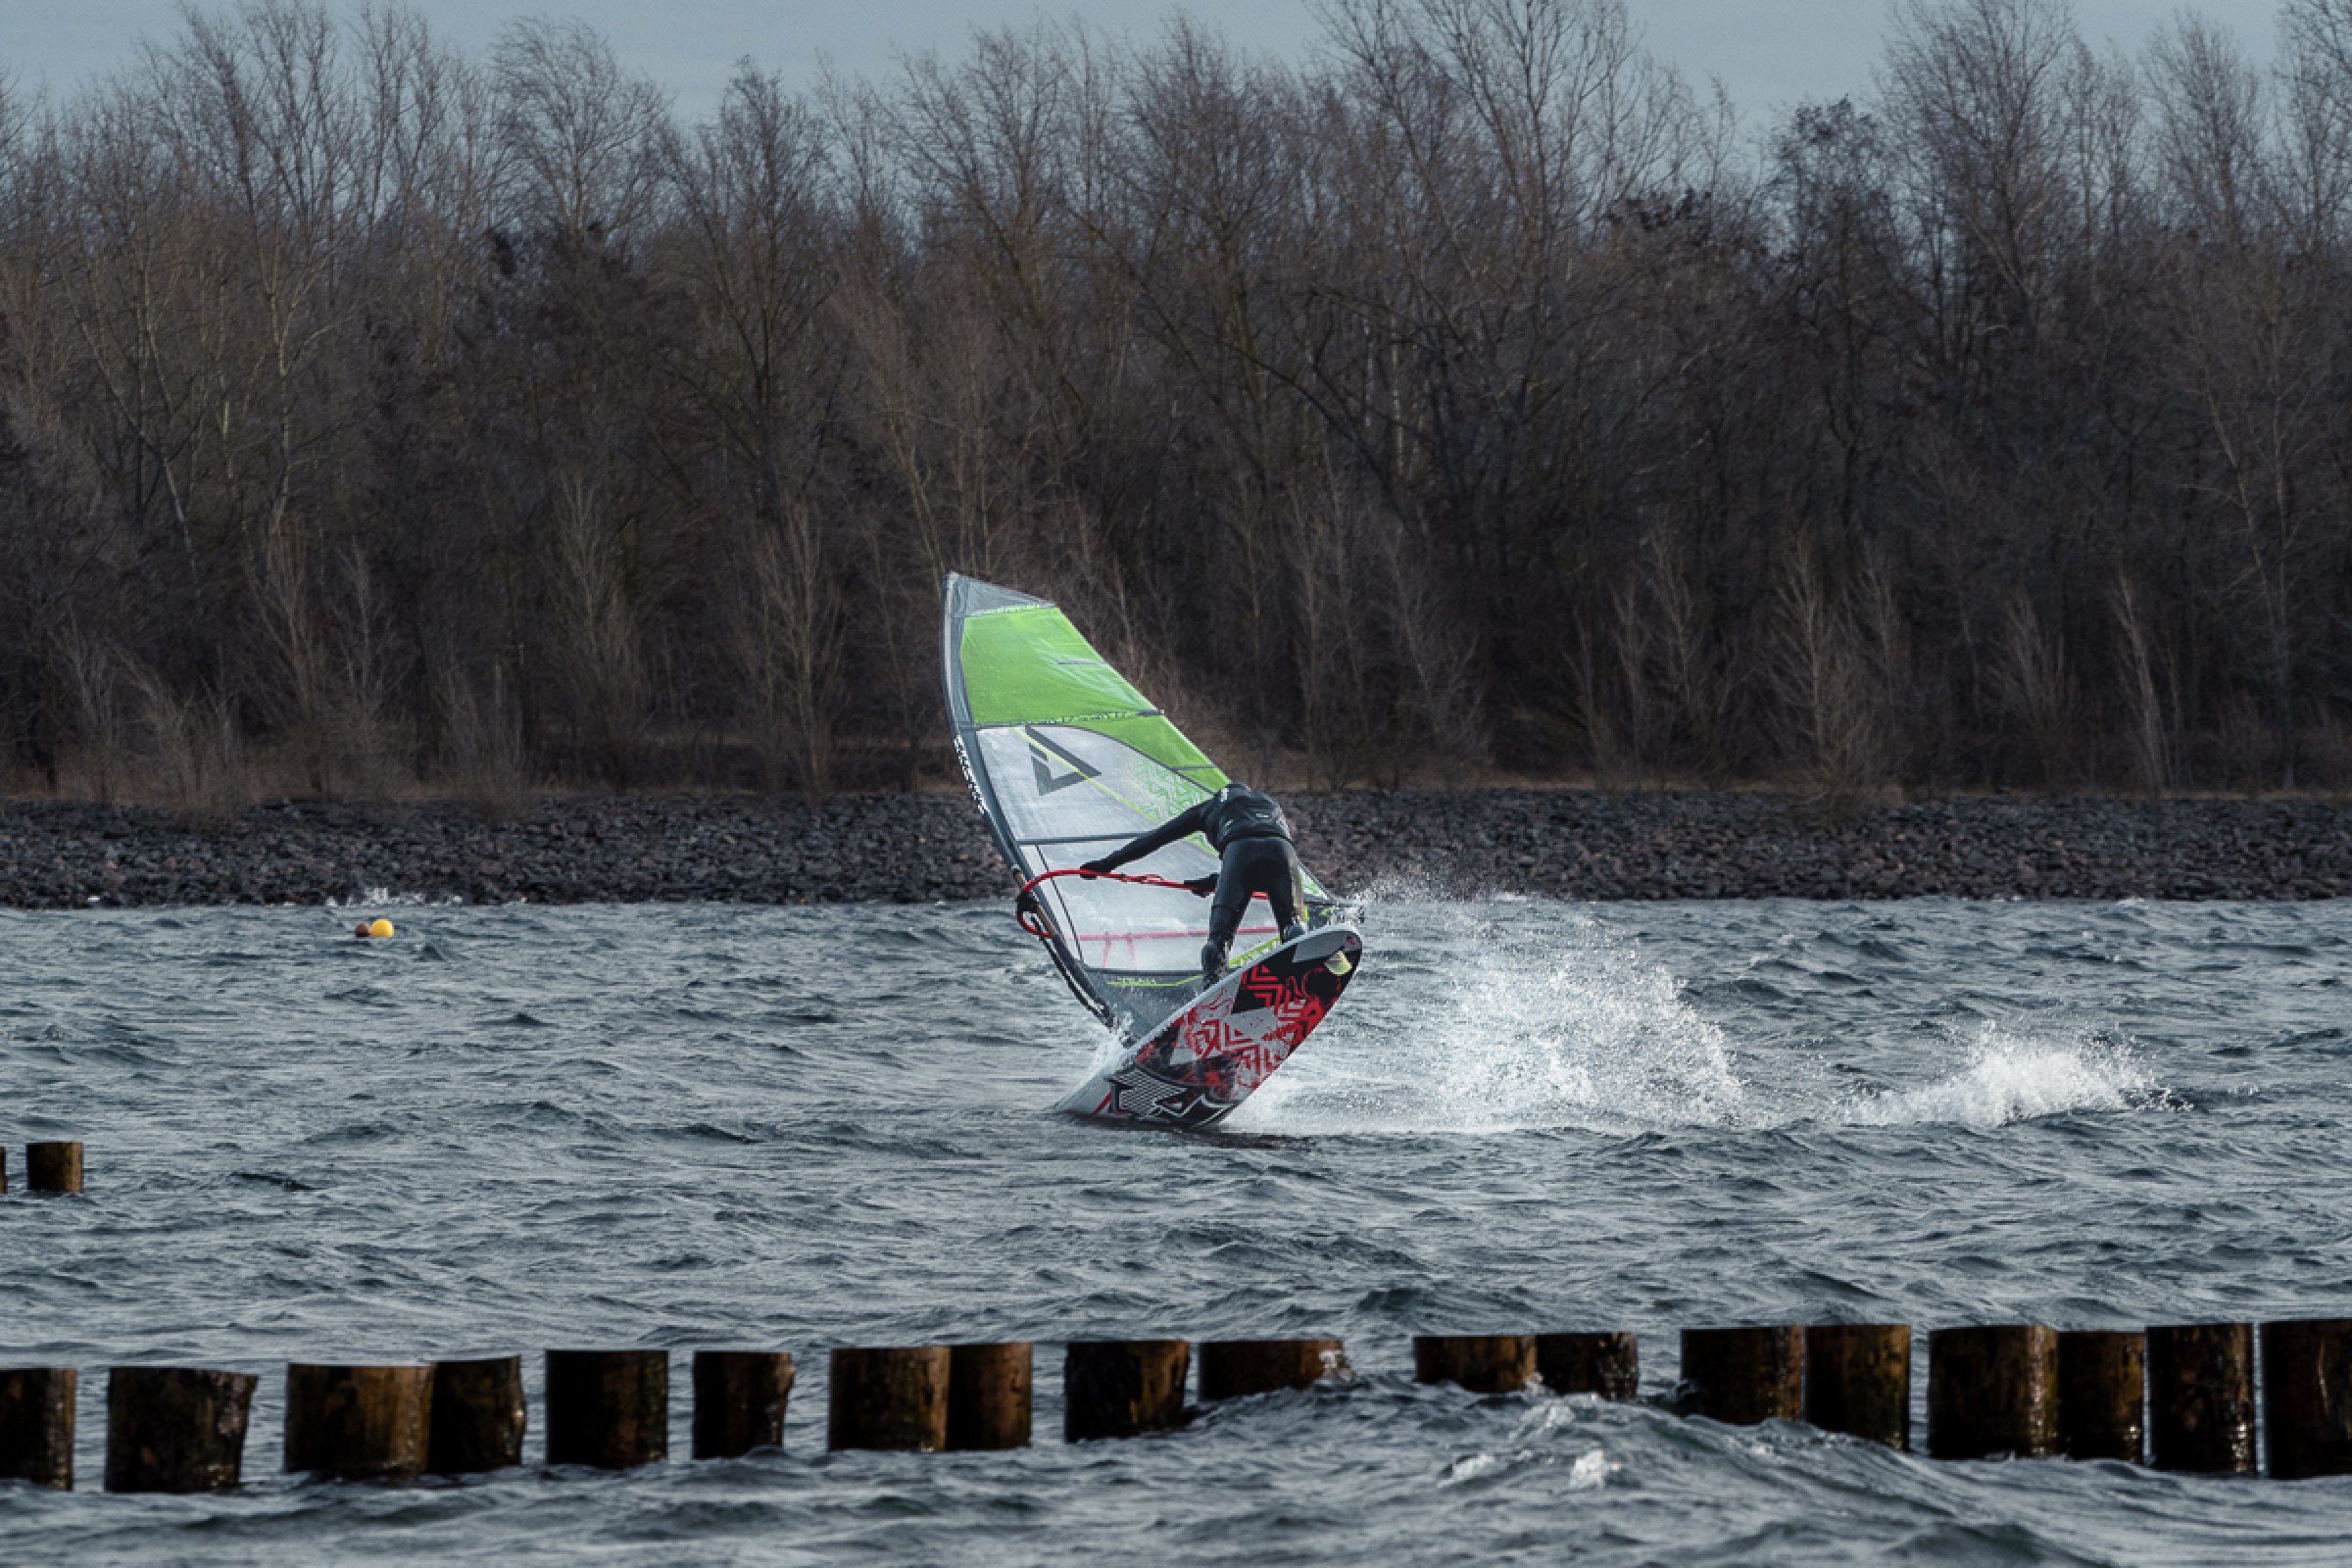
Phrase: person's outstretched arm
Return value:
(1190, 820)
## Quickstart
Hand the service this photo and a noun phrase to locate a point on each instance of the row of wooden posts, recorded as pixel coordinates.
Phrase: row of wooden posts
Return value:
(2180, 1398)
(48, 1168)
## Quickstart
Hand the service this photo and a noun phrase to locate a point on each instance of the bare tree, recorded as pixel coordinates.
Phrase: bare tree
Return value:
(2209, 128)
(2147, 731)
(2036, 691)
(584, 137)
(603, 669)
(1973, 88)
(789, 639)
(1838, 665)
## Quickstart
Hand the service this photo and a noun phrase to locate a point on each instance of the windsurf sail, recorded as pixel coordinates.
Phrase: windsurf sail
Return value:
(1068, 761)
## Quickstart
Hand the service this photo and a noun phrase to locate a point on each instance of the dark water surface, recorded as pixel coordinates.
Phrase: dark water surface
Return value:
(516, 1128)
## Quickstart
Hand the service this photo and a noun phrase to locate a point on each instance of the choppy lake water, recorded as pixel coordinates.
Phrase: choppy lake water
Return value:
(515, 1128)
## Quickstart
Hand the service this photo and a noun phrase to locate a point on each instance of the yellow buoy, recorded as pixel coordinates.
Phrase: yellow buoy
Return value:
(379, 927)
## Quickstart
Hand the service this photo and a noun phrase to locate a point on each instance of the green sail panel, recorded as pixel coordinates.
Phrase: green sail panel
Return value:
(1067, 761)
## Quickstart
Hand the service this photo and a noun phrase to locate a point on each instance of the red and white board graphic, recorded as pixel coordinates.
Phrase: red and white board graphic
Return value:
(1198, 1068)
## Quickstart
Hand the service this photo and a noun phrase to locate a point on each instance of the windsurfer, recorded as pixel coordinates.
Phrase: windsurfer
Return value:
(1252, 840)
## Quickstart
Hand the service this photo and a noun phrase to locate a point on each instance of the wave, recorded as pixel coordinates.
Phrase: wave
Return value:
(388, 898)
(2013, 1076)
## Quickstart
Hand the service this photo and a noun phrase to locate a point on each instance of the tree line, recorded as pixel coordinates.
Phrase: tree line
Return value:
(1474, 397)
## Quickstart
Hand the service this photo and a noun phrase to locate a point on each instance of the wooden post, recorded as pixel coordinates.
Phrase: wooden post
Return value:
(1234, 1369)
(53, 1167)
(1858, 1380)
(889, 1397)
(176, 1428)
(1122, 1387)
(739, 1400)
(1483, 1363)
(358, 1423)
(1607, 1364)
(2307, 1397)
(3, 1167)
(478, 1416)
(2201, 1398)
(2102, 1383)
(1992, 1392)
(36, 1425)
(1743, 1376)
(989, 1395)
(608, 1408)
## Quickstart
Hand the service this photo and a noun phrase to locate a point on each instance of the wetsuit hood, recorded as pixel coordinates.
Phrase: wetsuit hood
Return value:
(1237, 811)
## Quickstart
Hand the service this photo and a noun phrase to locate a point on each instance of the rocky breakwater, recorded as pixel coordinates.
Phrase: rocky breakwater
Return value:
(923, 847)
(624, 850)
(1581, 844)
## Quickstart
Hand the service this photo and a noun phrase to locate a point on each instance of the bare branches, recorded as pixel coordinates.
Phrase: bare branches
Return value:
(2209, 129)
(585, 136)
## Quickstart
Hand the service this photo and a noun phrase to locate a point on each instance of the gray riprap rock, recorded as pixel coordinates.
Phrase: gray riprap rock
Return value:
(920, 846)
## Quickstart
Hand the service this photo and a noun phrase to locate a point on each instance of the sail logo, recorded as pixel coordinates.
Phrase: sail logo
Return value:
(1044, 753)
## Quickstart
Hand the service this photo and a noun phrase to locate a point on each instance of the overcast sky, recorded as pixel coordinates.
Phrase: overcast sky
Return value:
(1769, 54)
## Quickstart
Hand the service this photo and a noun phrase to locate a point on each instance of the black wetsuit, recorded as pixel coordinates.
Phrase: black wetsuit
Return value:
(1252, 838)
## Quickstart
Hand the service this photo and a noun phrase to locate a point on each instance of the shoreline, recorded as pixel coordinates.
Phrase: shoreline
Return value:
(925, 847)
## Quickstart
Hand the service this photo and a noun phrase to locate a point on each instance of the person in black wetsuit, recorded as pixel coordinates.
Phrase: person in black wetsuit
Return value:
(1248, 830)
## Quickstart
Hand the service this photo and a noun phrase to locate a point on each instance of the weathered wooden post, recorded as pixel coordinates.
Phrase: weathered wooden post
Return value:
(358, 1423)
(53, 1167)
(889, 1397)
(1483, 1363)
(1743, 1376)
(1123, 1388)
(2102, 1386)
(1234, 1369)
(36, 1425)
(739, 1400)
(1858, 1380)
(608, 1408)
(176, 1428)
(1607, 1364)
(989, 1395)
(477, 1416)
(1992, 1392)
(2201, 1398)
(2307, 1397)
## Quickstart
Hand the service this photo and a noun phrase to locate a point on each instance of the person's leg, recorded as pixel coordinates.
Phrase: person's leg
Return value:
(1224, 915)
(1287, 893)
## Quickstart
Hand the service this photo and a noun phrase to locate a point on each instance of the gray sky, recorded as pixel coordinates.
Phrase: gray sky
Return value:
(1768, 53)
